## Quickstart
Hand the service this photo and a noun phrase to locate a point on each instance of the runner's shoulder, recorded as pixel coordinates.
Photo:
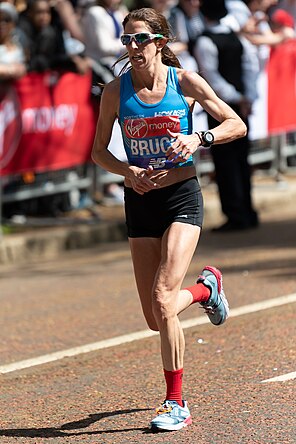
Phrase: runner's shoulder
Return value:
(187, 77)
(112, 88)
(193, 85)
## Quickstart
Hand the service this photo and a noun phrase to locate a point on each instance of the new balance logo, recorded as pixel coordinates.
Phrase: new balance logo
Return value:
(158, 162)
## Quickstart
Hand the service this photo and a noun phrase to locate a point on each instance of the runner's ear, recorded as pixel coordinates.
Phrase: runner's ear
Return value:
(160, 43)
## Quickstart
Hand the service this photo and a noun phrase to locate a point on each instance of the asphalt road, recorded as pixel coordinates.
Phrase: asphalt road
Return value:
(108, 395)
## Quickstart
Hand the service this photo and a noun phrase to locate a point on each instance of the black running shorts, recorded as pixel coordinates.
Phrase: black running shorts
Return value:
(150, 214)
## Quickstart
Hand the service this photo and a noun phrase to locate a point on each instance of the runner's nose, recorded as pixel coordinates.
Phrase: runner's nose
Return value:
(133, 43)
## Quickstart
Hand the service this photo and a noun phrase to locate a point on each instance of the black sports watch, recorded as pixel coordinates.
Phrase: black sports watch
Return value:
(207, 138)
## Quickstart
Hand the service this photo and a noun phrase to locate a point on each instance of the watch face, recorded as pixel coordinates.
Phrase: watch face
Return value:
(209, 138)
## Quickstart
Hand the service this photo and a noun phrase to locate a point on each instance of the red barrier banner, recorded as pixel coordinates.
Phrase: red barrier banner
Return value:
(57, 123)
(274, 111)
(281, 71)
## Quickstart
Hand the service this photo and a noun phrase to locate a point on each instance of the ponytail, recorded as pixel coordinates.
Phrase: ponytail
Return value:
(169, 58)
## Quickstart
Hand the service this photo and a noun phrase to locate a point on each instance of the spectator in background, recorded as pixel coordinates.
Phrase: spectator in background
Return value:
(239, 10)
(281, 19)
(290, 7)
(177, 19)
(45, 41)
(179, 46)
(64, 17)
(257, 29)
(219, 53)
(12, 57)
(102, 27)
(236, 18)
(40, 38)
(187, 25)
(163, 6)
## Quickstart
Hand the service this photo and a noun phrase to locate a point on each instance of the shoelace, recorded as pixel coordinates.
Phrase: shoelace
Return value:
(208, 309)
(164, 408)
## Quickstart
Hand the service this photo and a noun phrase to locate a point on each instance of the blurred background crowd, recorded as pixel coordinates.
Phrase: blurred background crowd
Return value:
(78, 35)
(84, 35)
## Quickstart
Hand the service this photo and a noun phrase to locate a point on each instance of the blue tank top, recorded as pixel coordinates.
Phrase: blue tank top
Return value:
(144, 126)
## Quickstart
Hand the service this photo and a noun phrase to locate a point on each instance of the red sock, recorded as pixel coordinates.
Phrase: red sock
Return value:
(174, 385)
(200, 292)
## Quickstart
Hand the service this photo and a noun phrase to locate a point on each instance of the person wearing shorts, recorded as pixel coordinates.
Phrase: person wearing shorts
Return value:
(153, 99)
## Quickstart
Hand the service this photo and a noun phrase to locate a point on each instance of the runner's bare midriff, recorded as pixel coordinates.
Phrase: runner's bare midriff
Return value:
(165, 178)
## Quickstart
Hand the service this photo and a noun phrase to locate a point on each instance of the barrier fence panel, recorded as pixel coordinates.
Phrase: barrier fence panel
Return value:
(47, 125)
(275, 154)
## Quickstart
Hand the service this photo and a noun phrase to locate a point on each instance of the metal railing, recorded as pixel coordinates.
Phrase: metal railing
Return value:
(275, 154)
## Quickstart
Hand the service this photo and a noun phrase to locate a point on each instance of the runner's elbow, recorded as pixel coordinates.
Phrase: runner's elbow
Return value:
(241, 129)
(95, 156)
(244, 129)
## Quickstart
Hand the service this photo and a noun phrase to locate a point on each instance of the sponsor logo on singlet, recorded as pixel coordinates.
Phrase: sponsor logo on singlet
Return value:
(145, 127)
(136, 128)
(147, 140)
(175, 112)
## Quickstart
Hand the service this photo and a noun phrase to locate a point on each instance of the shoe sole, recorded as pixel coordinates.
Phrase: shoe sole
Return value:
(172, 428)
(226, 306)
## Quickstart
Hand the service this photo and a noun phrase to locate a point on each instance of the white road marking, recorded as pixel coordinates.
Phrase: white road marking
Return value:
(282, 378)
(119, 340)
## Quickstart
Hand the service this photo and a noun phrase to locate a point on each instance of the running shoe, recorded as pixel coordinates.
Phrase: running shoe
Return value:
(171, 416)
(216, 307)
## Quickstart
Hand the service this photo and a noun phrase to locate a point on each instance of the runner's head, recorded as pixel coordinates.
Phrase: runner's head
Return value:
(156, 25)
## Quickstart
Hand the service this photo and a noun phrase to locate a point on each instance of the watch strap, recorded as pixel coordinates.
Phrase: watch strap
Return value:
(205, 143)
(199, 136)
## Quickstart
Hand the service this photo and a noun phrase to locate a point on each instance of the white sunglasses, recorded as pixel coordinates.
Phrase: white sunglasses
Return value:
(139, 38)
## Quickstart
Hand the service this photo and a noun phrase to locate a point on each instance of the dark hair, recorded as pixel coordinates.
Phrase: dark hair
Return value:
(31, 4)
(157, 24)
(213, 9)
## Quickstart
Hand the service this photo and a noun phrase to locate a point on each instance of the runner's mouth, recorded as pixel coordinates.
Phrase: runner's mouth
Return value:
(137, 58)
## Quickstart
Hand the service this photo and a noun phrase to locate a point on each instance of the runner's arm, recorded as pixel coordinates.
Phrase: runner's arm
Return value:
(231, 125)
(109, 107)
(138, 178)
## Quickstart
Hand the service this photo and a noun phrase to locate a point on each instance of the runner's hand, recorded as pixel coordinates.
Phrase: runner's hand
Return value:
(182, 147)
(140, 179)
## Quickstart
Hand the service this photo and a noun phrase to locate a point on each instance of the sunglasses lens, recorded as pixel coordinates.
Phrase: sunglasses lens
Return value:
(125, 39)
(142, 37)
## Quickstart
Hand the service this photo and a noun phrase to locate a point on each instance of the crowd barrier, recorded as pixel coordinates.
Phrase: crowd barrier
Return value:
(47, 126)
(47, 123)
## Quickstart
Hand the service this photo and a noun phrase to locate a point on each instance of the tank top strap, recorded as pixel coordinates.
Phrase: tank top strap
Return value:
(172, 77)
(173, 82)
(126, 87)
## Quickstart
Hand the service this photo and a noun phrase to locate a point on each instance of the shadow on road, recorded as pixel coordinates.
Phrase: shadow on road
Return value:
(270, 235)
(63, 430)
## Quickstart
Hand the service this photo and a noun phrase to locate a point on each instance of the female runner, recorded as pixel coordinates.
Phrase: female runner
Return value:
(153, 100)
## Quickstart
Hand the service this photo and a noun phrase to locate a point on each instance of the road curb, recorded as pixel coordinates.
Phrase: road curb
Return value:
(52, 242)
